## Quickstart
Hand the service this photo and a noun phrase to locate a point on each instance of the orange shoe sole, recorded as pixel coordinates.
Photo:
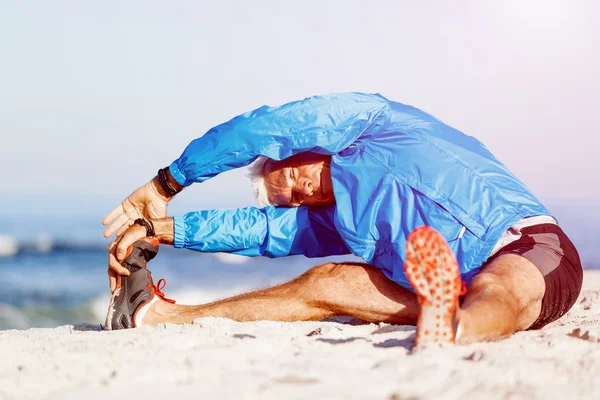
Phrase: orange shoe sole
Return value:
(434, 274)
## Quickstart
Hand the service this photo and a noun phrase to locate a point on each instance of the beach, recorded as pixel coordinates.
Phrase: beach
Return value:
(217, 358)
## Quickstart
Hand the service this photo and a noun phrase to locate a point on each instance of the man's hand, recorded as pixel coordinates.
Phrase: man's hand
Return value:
(118, 248)
(147, 201)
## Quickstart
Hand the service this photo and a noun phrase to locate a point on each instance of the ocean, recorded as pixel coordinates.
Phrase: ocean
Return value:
(53, 269)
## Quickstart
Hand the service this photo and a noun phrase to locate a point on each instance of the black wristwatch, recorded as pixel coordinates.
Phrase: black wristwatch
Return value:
(146, 224)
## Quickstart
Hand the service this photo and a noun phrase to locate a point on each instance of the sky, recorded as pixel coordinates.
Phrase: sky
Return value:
(96, 96)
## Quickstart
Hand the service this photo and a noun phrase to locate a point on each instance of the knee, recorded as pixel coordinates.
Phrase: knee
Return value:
(509, 292)
(319, 281)
(321, 273)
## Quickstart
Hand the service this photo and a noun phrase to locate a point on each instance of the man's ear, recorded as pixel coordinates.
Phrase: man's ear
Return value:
(309, 184)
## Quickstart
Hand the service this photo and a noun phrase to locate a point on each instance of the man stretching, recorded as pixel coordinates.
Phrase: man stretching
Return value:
(429, 209)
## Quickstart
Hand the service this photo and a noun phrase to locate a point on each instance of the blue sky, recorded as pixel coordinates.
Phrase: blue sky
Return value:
(96, 96)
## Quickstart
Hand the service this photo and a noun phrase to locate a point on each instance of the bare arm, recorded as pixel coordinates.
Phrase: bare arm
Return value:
(163, 229)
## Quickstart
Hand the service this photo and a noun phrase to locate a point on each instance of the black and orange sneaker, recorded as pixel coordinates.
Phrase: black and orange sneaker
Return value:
(135, 293)
(434, 274)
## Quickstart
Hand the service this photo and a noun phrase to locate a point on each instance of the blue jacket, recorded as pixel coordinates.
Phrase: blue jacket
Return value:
(394, 168)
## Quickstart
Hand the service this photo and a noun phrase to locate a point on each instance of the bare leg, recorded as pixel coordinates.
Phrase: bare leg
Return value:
(504, 298)
(326, 290)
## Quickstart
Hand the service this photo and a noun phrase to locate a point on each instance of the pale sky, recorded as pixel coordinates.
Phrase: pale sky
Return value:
(96, 96)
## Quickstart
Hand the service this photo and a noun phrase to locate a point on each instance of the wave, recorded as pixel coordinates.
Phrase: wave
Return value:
(8, 246)
(44, 244)
(44, 315)
(47, 245)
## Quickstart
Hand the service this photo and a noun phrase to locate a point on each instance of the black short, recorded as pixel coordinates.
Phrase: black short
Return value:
(551, 251)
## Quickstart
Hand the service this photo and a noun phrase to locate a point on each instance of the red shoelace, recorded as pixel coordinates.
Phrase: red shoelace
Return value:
(158, 290)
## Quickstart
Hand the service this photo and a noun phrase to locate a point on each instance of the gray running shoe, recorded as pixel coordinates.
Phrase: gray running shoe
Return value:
(136, 290)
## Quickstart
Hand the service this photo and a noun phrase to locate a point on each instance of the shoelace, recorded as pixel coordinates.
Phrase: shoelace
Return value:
(158, 290)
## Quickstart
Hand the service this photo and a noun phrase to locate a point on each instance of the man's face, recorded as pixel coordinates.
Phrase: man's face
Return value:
(304, 179)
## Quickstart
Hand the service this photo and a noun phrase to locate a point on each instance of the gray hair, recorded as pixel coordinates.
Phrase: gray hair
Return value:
(256, 173)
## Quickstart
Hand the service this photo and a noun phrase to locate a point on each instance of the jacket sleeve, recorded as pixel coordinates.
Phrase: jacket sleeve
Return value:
(320, 124)
(270, 231)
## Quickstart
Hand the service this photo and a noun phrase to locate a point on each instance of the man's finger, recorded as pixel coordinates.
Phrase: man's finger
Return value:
(116, 265)
(116, 225)
(125, 227)
(126, 241)
(113, 214)
(112, 280)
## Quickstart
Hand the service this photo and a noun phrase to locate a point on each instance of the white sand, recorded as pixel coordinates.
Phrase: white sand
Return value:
(217, 358)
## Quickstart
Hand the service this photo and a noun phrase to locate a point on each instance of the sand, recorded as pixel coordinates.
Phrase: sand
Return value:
(218, 358)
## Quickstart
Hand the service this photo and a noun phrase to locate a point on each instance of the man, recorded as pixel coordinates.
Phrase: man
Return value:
(357, 173)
